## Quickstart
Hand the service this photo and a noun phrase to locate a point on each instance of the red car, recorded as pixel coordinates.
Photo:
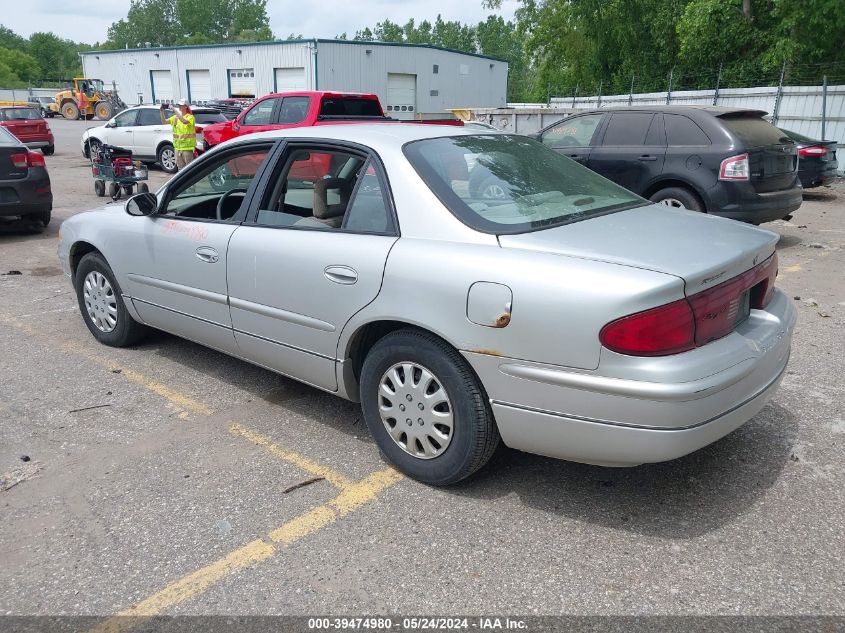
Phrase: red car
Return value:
(297, 109)
(29, 127)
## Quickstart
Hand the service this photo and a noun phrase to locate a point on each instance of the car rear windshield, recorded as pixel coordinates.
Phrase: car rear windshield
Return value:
(349, 106)
(7, 139)
(754, 130)
(504, 183)
(17, 114)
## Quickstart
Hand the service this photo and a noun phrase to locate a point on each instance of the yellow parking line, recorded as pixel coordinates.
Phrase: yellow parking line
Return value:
(291, 457)
(792, 269)
(354, 496)
(178, 400)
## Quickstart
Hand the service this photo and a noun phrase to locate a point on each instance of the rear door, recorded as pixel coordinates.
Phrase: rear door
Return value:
(772, 156)
(631, 152)
(313, 256)
(573, 137)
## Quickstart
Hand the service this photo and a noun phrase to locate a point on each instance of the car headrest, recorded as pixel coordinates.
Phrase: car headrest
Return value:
(322, 209)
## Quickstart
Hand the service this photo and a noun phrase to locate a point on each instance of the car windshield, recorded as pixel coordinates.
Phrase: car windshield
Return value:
(19, 114)
(505, 183)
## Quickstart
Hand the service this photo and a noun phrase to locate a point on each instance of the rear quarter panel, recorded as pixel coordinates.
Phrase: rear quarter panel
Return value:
(559, 303)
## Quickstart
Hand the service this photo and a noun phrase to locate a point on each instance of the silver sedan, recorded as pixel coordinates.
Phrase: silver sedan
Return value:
(466, 287)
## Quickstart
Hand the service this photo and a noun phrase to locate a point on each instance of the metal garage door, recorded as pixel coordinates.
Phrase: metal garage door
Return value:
(401, 95)
(290, 79)
(199, 86)
(162, 86)
(242, 82)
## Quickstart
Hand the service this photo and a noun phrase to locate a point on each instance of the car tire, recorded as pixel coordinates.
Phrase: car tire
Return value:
(447, 458)
(93, 147)
(167, 158)
(70, 111)
(678, 198)
(45, 217)
(143, 187)
(103, 298)
(100, 188)
(49, 150)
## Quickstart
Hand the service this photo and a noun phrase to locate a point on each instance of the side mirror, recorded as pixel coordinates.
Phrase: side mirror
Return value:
(111, 124)
(142, 204)
(236, 126)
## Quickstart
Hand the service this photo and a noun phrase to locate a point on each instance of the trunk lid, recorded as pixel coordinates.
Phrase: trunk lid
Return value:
(703, 250)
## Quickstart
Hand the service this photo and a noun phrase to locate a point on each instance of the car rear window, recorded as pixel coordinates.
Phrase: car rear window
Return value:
(681, 130)
(506, 183)
(754, 130)
(17, 114)
(346, 106)
(627, 128)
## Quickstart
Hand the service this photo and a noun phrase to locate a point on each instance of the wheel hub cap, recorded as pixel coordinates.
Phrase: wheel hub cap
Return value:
(673, 202)
(100, 301)
(416, 410)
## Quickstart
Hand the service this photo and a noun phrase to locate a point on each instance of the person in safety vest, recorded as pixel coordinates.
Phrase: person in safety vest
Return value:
(184, 132)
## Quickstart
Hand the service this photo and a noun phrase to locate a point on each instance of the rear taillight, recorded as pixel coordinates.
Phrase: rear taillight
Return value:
(695, 321)
(30, 159)
(815, 150)
(735, 168)
(669, 329)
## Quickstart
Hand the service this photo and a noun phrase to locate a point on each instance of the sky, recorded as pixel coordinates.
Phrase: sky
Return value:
(88, 20)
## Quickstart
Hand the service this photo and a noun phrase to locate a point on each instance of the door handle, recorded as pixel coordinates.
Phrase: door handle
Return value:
(341, 275)
(647, 157)
(208, 254)
(577, 158)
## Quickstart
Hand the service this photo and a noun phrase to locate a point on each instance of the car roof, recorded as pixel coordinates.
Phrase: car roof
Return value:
(717, 111)
(375, 135)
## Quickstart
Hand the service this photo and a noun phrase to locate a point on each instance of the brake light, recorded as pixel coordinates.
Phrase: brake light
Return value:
(30, 159)
(669, 329)
(815, 150)
(695, 321)
(735, 168)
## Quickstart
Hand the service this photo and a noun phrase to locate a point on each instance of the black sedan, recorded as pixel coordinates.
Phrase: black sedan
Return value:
(25, 191)
(817, 162)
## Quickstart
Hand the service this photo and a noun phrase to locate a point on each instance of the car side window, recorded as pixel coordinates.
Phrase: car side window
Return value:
(216, 190)
(627, 129)
(574, 132)
(261, 113)
(126, 119)
(320, 189)
(152, 116)
(681, 130)
(294, 110)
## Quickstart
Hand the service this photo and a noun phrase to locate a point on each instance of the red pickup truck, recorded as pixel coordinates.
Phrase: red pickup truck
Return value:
(301, 109)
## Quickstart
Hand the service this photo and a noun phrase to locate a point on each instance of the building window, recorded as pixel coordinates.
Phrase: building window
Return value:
(436, 69)
(434, 93)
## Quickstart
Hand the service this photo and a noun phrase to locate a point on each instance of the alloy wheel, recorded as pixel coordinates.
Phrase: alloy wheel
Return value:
(672, 202)
(168, 159)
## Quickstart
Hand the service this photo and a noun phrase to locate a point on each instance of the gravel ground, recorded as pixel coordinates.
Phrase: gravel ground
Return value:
(186, 458)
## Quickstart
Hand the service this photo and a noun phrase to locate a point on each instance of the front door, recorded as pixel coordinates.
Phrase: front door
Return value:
(573, 137)
(313, 256)
(260, 117)
(176, 260)
(120, 133)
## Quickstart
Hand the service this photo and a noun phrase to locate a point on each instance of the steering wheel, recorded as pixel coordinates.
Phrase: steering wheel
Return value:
(223, 200)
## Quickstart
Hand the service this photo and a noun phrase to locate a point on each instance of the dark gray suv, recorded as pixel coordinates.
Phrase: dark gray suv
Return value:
(726, 161)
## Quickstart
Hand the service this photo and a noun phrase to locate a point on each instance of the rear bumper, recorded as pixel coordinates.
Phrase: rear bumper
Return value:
(38, 144)
(26, 196)
(619, 420)
(824, 174)
(740, 201)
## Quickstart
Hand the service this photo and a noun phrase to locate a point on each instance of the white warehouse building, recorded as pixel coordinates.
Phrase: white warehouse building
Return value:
(411, 80)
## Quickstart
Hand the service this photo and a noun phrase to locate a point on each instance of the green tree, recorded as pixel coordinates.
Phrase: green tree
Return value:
(57, 57)
(17, 69)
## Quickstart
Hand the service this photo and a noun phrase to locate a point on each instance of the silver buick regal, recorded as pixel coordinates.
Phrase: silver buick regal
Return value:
(464, 286)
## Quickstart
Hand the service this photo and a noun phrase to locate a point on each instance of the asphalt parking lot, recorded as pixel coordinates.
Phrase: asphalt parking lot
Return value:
(158, 478)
